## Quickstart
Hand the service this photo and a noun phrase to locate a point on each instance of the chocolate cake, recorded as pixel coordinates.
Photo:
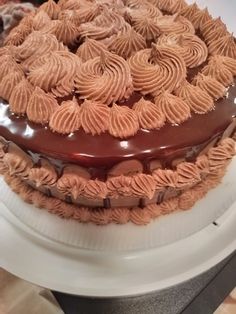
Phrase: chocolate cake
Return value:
(117, 111)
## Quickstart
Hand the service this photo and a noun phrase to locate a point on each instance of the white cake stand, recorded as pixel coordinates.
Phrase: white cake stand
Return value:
(117, 260)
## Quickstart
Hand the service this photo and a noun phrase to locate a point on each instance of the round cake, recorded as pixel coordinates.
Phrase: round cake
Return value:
(117, 111)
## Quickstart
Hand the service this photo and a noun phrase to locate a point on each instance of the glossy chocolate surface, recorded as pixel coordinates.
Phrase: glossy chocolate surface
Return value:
(104, 151)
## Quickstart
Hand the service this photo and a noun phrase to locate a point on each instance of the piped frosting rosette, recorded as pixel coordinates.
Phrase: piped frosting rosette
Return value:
(54, 72)
(51, 8)
(127, 43)
(35, 46)
(189, 46)
(69, 4)
(196, 16)
(221, 68)
(88, 12)
(64, 30)
(103, 26)
(209, 84)
(90, 49)
(40, 20)
(105, 79)
(175, 109)
(174, 24)
(170, 6)
(225, 46)
(141, 8)
(156, 69)
(213, 29)
(199, 101)
(147, 27)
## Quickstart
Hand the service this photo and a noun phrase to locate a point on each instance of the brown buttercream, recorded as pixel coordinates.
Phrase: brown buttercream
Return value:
(189, 46)
(202, 164)
(70, 4)
(20, 97)
(94, 117)
(229, 145)
(174, 24)
(218, 156)
(66, 119)
(64, 30)
(198, 100)
(90, 49)
(175, 109)
(39, 199)
(71, 183)
(149, 115)
(177, 6)
(8, 65)
(212, 27)
(188, 174)
(210, 85)
(123, 121)
(169, 206)
(101, 216)
(154, 210)
(164, 5)
(165, 178)
(147, 27)
(89, 12)
(51, 8)
(55, 72)
(224, 46)
(105, 79)
(91, 30)
(8, 84)
(17, 36)
(156, 69)
(95, 189)
(218, 69)
(41, 106)
(186, 200)
(127, 43)
(229, 63)
(17, 161)
(37, 44)
(44, 175)
(190, 12)
(139, 216)
(119, 186)
(40, 20)
(200, 18)
(120, 215)
(109, 17)
(143, 185)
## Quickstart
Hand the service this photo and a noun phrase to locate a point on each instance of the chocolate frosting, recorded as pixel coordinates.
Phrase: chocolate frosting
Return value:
(105, 151)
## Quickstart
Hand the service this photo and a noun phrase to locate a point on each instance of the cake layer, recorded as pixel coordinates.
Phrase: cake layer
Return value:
(166, 144)
(119, 215)
(74, 184)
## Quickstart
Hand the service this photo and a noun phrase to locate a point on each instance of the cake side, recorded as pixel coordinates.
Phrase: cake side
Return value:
(117, 105)
(179, 190)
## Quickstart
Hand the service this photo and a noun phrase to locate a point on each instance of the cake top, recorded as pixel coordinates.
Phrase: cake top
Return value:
(116, 66)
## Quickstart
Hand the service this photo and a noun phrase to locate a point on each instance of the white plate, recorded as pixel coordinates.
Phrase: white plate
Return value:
(94, 273)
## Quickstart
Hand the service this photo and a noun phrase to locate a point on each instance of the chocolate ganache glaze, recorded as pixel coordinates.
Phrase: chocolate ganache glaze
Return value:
(104, 151)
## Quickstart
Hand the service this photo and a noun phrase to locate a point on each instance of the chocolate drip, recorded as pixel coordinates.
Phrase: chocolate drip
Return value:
(107, 203)
(104, 151)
